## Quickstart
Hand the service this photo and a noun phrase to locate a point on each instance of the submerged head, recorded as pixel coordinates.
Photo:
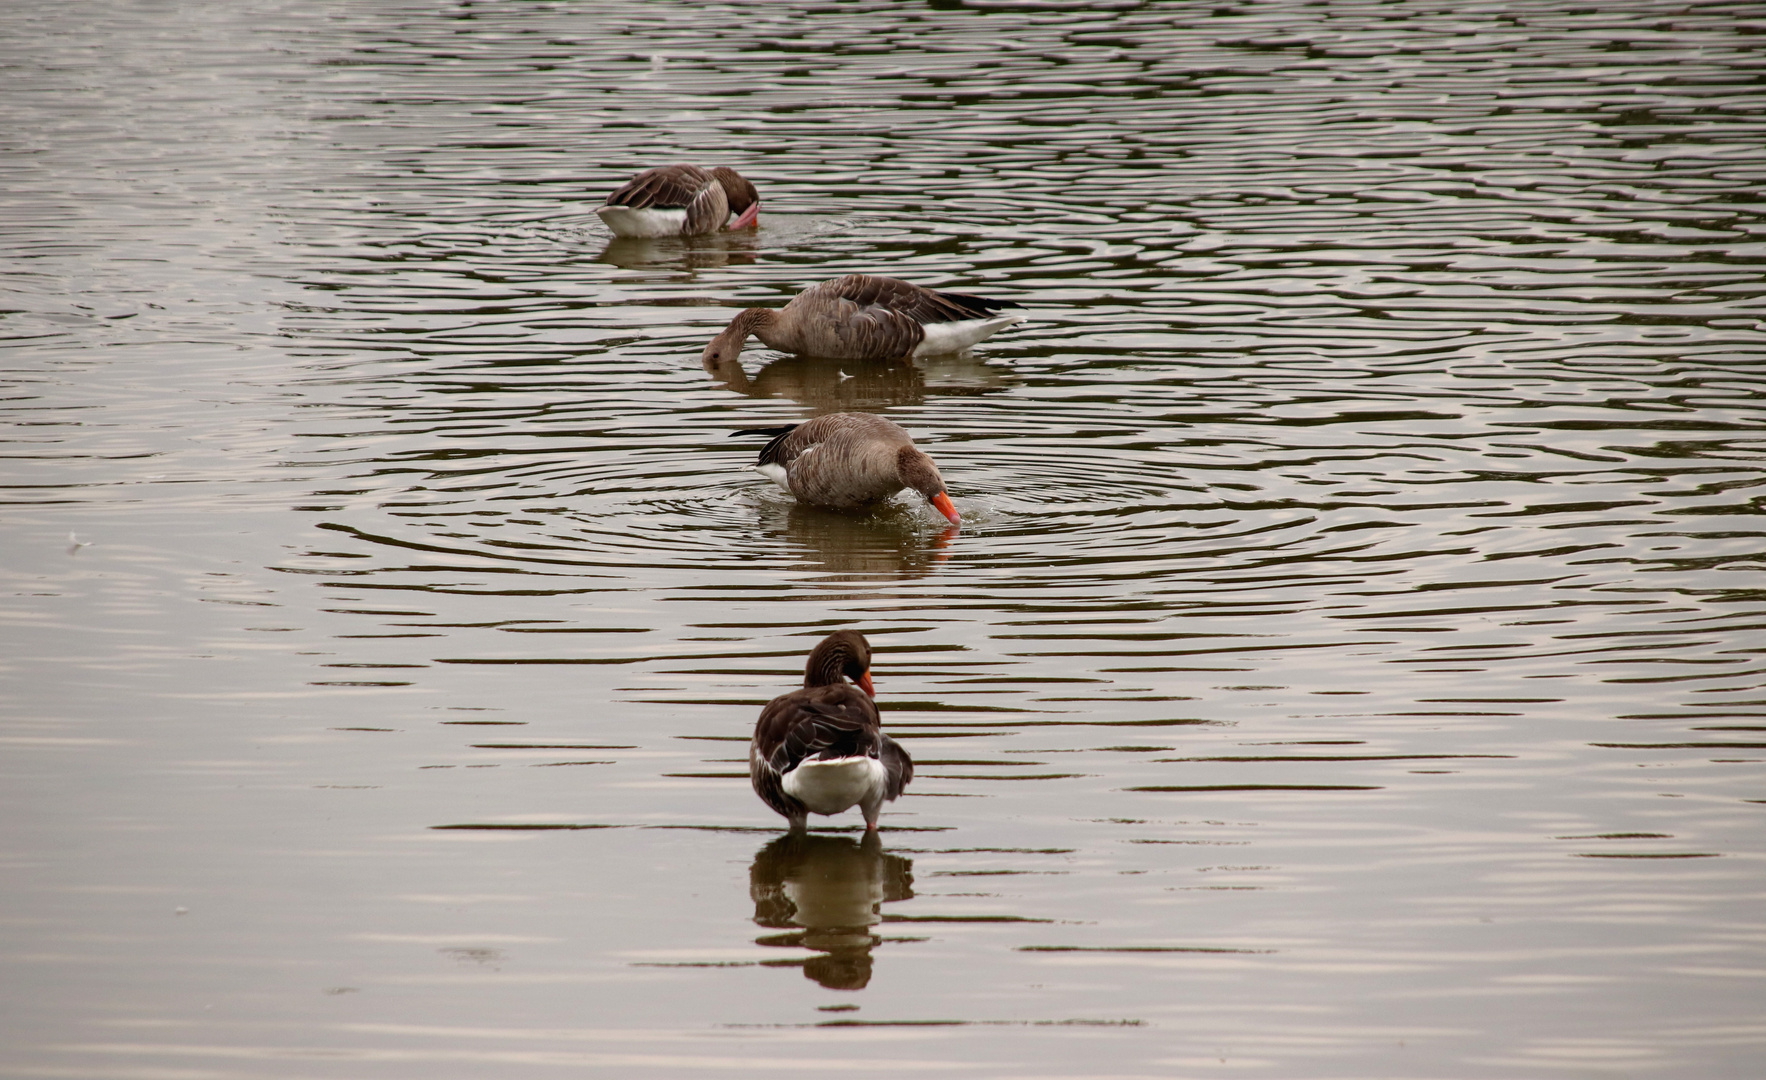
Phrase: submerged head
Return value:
(744, 199)
(727, 346)
(917, 471)
(844, 653)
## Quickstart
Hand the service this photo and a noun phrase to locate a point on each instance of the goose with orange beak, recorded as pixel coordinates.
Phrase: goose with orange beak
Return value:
(849, 460)
(821, 749)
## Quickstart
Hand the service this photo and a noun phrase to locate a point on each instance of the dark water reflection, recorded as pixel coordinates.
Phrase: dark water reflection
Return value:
(858, 386)
(1349, 664)
(826, 893)
(684, 255)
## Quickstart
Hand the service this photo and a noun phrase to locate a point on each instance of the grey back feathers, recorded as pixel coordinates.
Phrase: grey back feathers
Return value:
(846, 460)
(864, 317)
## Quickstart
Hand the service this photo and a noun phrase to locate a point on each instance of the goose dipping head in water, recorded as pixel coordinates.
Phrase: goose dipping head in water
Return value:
(681, 200)
(849, 460)
(865, 317)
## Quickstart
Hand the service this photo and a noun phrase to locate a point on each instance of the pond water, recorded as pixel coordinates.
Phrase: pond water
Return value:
(1350, 663)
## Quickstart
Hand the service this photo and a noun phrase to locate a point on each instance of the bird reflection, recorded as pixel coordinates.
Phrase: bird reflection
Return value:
(826, 892)
(682, 253)
(859, 385)
(889, 541)
(826, 385)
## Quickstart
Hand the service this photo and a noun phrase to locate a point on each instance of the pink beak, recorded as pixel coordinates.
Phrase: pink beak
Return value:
(941, 502)
(747, 217)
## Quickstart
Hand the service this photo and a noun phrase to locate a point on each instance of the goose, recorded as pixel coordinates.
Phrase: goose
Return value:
(821, 749)
(681, 200)
(848, 460)
(865, 317)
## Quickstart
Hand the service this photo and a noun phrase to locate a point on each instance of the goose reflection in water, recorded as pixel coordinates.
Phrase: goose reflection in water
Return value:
(859, 385)
(681, 252)
(826, 893)
(843, 546)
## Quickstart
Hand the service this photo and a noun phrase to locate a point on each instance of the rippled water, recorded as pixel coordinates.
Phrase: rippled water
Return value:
(1350, 663)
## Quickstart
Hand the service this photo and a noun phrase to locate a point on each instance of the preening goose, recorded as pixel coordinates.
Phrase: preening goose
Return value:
(847, 460)
(865, 317)
(821, 749)
(681, 200)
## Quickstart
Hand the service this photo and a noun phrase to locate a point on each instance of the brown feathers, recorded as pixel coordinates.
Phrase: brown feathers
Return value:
(829, 724)
(848, 460)
(865, 317)
(680, 200)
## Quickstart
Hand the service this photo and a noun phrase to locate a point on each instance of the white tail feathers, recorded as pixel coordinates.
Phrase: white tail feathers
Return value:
(949, 337)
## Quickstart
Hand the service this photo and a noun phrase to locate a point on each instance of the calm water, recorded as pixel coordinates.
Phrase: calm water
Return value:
(1351, 662)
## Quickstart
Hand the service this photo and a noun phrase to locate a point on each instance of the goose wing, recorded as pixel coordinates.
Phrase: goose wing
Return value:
(826, 722)
(875, 294)
(672, 187)
(898, 767)
(791, 441)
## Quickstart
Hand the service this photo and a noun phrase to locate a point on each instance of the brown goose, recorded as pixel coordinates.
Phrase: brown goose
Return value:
(821, 749)
(865, 317)
(848, 460)
(681, 200)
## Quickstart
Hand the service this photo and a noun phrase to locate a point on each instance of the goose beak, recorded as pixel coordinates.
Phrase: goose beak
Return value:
(941, 502)
(864, 683)
(747, 217)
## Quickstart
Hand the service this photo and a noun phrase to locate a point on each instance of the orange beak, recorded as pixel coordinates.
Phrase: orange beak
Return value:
(941, 502)
(747, 217)
(864, 683)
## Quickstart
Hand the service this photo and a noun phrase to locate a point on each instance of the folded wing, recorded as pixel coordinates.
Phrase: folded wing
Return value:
(897, 297)
(672, 187)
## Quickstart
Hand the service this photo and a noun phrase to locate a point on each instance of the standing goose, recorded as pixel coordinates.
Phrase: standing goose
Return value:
(865, 317)
(847, 460)
(821, 749)
(681, 200)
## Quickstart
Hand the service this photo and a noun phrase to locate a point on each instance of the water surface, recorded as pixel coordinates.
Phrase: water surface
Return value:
(1350, 663)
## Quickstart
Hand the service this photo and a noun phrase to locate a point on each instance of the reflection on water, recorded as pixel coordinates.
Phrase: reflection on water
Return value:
(827, 892)
(896, 539)
(859, 385)
(827, 385)
(683, 253)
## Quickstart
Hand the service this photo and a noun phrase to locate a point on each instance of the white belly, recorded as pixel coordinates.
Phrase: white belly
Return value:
(949, 337)
(643, 224)
(831, 787)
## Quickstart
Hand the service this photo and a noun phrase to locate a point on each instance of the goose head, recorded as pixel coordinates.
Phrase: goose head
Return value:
(744, 199)
(727, 346)
(842, 654)
(917, 471)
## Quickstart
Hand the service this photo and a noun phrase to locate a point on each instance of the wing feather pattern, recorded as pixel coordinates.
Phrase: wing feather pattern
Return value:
(838, 722)
(672, 187)
(922, 305)
(897, 767)
(769, 784)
